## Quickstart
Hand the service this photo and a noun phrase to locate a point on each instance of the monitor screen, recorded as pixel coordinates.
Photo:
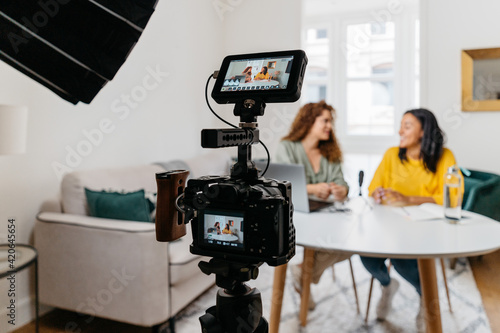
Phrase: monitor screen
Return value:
(267, 73)
(223, 229)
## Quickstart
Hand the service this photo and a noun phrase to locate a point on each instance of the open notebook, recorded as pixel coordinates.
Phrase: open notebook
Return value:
(426, 211)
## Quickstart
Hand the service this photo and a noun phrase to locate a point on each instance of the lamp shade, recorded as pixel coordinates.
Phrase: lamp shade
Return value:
(13, 123)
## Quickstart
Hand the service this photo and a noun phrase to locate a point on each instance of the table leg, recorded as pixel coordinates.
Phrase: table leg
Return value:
(277, 299)
(428, 282)
(307, 267)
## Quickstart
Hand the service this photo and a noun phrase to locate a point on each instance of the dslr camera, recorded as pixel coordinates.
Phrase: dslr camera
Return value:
(241, 220)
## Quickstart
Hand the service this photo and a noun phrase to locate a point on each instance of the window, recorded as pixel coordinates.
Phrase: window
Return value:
(365, 63)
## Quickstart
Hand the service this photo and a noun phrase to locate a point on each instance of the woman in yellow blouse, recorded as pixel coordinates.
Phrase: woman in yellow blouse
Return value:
(410, 174)
(227, 230)
(263, 75)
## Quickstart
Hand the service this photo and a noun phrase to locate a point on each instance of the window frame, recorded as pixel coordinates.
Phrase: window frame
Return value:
(405, 77)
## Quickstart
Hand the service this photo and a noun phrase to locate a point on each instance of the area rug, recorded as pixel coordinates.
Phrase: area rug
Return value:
(336, 306)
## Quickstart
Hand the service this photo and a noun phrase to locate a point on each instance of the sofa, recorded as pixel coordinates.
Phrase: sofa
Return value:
(116, 269)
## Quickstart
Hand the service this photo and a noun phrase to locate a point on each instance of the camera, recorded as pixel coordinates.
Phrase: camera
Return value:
(241, 220)
(256, 214)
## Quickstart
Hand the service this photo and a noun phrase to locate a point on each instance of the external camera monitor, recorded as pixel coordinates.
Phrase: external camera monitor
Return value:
(271, 76)
(222, 229)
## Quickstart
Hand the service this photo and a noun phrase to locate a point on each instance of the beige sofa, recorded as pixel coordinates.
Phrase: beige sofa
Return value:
(116, 269)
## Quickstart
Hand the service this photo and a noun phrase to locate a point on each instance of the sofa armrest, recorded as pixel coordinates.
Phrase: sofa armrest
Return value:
(100, 267)
(95, 222)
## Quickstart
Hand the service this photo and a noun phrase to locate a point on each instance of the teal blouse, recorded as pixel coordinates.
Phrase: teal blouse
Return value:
(292, 152)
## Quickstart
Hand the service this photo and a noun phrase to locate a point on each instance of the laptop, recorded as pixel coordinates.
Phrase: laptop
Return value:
(240, 78)
(295, 174)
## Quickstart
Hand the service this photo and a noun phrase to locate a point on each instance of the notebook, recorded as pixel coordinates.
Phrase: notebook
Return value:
(296, 175)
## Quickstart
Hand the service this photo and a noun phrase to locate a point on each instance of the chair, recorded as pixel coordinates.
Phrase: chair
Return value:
(306, 284)
(389, 269)
(481, 193)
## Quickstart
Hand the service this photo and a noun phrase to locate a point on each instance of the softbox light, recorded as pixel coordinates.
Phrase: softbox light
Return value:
(72, 47)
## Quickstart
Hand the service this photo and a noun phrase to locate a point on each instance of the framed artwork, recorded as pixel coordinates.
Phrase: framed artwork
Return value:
(481, 80)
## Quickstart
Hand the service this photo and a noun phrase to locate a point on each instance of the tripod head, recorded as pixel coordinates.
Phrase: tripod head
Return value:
(238, 307)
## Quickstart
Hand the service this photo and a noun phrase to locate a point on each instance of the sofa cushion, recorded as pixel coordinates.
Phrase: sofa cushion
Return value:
(217, 162)
(126, 179)
(131, 206)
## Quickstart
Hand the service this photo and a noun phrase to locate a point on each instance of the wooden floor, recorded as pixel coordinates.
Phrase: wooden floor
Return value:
(486, 272)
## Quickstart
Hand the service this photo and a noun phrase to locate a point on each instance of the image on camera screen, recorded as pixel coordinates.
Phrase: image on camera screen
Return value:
(258, 74)
(223, 229)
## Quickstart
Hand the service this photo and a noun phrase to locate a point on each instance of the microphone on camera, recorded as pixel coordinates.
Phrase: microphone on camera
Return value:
(360, 180)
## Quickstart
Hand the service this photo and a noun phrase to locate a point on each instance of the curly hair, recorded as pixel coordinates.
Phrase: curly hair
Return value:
(303, 122)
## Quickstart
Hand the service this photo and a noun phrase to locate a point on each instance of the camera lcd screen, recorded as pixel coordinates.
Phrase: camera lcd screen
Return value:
(223, 229)
(257, 74)
(273, 77)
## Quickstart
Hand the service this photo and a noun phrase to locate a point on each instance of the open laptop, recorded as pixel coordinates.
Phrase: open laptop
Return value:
(240, 78)
(295, 174)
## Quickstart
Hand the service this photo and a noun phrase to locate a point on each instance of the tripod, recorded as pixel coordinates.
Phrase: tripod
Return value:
(238, 307)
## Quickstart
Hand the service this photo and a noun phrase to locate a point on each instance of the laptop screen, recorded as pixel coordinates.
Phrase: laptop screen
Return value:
(296, 175)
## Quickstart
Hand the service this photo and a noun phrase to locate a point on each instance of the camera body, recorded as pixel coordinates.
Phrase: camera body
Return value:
(255, 219)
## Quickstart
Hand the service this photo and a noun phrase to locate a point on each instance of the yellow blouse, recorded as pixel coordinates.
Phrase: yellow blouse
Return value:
(261, 76)
(410, 178)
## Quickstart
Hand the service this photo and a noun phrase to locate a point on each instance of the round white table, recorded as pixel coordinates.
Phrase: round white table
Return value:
(380, 231)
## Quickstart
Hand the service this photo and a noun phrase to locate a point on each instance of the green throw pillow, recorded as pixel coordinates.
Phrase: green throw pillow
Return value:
(131, 206)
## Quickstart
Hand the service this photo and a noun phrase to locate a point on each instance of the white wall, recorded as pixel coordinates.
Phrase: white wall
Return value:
(449, 27)
(165, 124)
(258, 26)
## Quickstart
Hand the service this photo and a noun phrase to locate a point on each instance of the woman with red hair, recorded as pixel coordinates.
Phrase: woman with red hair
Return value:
(312, 143)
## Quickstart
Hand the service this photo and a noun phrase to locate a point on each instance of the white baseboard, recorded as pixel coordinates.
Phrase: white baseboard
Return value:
(25, 313)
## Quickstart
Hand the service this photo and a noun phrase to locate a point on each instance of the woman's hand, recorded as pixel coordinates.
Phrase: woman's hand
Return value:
(339, 191)
(377, 194)
(395, 198)
(387, 196)
(321, 190)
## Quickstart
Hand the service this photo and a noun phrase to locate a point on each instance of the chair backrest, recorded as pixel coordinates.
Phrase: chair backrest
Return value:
(482, 193)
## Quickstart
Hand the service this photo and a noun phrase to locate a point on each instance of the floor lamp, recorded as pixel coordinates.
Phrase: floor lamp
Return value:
(13, 130)
(13, 123)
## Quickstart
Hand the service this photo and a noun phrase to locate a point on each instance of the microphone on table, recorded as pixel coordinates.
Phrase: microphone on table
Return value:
(360, 180)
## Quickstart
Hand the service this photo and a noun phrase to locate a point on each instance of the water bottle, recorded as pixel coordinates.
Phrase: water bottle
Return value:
(453, 195)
